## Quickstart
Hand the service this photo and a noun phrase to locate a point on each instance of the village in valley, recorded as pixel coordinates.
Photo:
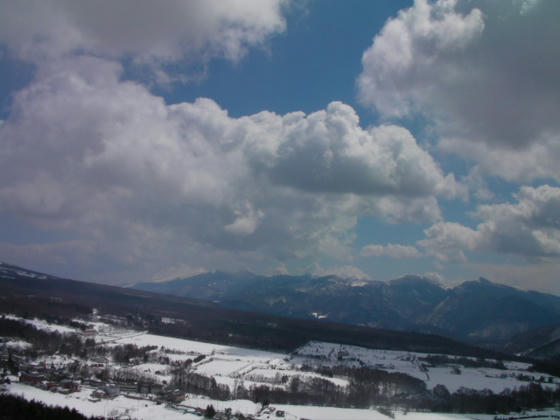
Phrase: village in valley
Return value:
(102, 367)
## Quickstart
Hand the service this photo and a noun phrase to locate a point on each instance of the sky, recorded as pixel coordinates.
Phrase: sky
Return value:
(144, 142)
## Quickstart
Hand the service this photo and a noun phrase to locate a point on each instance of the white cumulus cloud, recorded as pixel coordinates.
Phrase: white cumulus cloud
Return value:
(528, 227)
(111, 164)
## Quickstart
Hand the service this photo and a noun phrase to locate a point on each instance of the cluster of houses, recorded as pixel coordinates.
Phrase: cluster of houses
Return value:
(107, 390)
(55, 380)
(110, 390)
(62, 378)
(53, 383)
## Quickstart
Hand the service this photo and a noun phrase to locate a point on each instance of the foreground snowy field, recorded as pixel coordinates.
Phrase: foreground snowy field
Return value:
(143, 409)
(121, 405)
(146, 410)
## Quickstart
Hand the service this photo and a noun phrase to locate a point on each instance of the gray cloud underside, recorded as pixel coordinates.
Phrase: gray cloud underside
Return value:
(139, 29)
(484, 73)
(390, 250)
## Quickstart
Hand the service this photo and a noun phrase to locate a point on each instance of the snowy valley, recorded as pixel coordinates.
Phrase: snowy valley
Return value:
(102, 368)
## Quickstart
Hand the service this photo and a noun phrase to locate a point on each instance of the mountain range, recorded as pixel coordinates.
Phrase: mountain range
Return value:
(30, 294)
(480, 312)
(283, 312)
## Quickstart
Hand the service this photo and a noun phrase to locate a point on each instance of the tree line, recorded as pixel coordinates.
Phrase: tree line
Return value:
(15, 408)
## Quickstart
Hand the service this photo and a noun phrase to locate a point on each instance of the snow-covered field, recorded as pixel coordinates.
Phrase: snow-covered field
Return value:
(188, 347)
(16, 345)
(333, 413)
(411, 363)
(42, 325)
